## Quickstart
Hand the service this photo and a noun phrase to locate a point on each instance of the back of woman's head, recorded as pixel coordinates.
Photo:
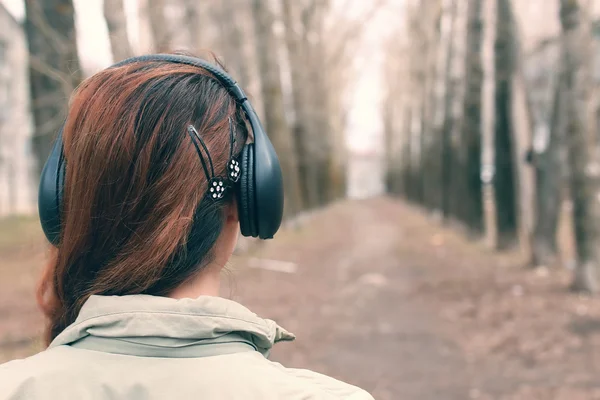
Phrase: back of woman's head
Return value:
(135, 215)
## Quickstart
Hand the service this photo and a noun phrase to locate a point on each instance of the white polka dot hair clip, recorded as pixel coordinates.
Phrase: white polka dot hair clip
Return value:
(217, 185)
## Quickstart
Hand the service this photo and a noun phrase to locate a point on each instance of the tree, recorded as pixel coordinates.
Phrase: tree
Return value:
(319, 110)
(159, 26)
(469, 206)
(453, 110)
(233, 31)
(548, 180)
(505, 189)
(191, 22)
(583, 144)
(394, 113)
(431, 14)
(443, 97)
(297, 50)
(116, 22)
(54, 68)
(489, 119)
(453, 152)
(417, 55)
(275, 119)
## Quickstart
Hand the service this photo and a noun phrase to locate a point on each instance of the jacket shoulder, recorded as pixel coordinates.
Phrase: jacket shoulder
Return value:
(36, 377)
(330, 387)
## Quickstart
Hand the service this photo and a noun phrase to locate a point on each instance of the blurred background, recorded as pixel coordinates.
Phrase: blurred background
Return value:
(442, 164)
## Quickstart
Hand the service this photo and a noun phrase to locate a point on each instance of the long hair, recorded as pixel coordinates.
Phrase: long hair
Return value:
(135, 215)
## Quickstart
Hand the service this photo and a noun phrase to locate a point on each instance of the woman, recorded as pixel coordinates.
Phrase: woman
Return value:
(147, 224)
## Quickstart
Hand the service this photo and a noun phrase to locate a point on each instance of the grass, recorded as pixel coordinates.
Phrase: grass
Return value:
(18, 232)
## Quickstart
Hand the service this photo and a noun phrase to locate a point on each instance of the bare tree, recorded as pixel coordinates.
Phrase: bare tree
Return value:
(394, 113)
(297, 50)
(275, 120)
(489, 124)
(453, 149)
(417, 55)
(546, 159)
(428, 18)
(116, 22)
(192, 23)
(234, 32)
(583, 144)
(54, 67)
(505, 177)
(319, 111)
(159, 25)
(440, 102)
(174, 25)
(469, 188)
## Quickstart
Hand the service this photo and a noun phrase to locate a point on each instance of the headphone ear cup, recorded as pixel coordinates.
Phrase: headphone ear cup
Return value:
(245, 193)
(51, 192)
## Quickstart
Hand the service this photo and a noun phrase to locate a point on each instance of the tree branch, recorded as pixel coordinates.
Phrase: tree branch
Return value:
(54, 38)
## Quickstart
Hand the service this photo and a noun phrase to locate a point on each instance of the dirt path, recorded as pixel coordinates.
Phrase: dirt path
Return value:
(383, 297)
(389, 300)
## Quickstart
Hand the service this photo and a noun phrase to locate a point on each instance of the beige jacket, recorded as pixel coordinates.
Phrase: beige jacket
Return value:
(145, 347)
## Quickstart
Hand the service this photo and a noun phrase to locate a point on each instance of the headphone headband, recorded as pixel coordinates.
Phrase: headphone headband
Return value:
(230, 84)
(227, 81)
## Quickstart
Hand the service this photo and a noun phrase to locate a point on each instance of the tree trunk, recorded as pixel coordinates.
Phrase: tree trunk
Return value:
(441, 102)
(505, 190)
(453, 108)
(457, 156)
(430, 19)
(417, 56)
(159, 26)
(193, 24)
(54, 68)
(471, 209)
(275, 119)
(583, 145)
(297, 50)
(116, 22)
(407, 153)
(319, 107)
(234, 47)
(547, 164)
(489, 121)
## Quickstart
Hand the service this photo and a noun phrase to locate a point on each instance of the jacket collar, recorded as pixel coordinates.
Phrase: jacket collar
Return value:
(154, 326)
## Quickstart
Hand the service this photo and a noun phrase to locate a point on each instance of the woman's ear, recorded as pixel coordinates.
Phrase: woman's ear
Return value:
(231, 212)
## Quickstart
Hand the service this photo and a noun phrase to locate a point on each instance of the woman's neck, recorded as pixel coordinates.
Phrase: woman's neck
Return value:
(206, 283)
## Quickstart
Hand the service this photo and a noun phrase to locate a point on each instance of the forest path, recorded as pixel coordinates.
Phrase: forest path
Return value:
(389, 300)
(382, 296)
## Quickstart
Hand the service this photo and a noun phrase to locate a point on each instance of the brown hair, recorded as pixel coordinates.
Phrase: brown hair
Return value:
(135, 215)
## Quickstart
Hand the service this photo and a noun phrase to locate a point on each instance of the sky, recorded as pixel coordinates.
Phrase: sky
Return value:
(364, 130)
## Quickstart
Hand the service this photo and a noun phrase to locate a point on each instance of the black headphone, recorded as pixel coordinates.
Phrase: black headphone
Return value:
(259, 189)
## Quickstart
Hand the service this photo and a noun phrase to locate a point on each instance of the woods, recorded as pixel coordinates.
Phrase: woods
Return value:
(505, 137)
(487, 129)
(289, 55)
